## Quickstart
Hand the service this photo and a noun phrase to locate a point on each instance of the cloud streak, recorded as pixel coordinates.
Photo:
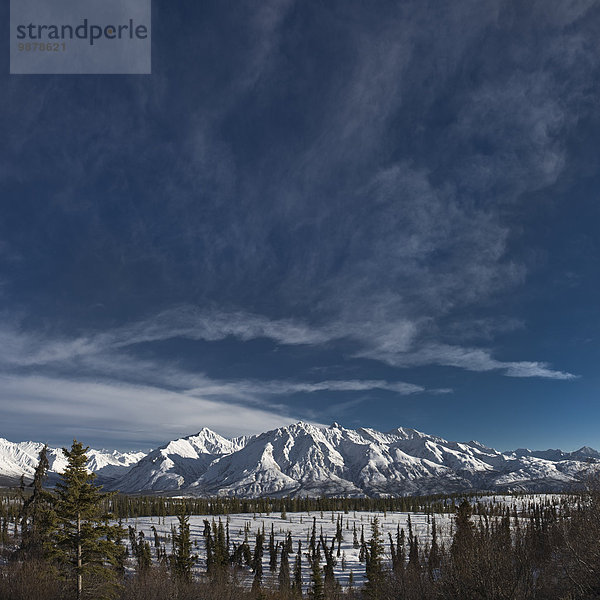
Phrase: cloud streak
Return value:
(71, 385)
(472, 359)
(172, 404)
(396, 344)
(150, 415)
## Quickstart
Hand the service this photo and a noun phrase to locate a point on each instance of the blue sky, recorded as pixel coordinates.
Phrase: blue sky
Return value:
(381, 214)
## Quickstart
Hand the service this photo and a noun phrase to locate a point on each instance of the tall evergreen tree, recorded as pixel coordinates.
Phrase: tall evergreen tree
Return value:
(374, 563)
(434, 559)
(316, 591)
(463, 540)
(156, 537)
(363, 545)
(330, 583)
(84, 536)
(210, 550)
(143, 554)
(38, 519)
(257, 566)
(284, 571)
(297, 583)
(182, 560)
(355, 543)
(221, 549)
(272, 550)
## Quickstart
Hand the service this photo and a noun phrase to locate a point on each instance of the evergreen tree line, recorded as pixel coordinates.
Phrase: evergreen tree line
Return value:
(127, 506)
(124, 506)
(66, 545)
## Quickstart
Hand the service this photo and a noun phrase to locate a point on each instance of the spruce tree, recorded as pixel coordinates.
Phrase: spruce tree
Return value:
(374, 563)
(221, 550)
(401, 540)
(156, 537)
(284, 571)
(434, 559)
(316, 591)
(330, 584)
(182, 560)
(414, 564)
(210, 550)
(463, 549)
(257, 566)
(272, 550)
(38, 519)
(84, 536)
(363, 545)
(297, 583)
(143, 553)
(463, 541)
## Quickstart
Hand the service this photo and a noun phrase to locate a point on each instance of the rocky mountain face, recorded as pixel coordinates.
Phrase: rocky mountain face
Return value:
(180, 463)
(303, 459)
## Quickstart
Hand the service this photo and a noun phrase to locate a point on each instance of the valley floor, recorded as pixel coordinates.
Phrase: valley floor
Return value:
(300, 526)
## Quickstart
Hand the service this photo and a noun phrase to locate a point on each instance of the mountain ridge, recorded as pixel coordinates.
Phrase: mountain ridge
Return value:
(21, 458)
(305, 459)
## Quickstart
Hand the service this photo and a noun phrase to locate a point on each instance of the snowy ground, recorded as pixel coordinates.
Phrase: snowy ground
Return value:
(300, 525)
(521, 501)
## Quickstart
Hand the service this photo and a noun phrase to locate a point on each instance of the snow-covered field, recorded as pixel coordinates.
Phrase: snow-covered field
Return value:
(520, 501)
(300, 525)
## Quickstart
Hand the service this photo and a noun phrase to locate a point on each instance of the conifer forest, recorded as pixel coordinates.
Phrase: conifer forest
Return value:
(76, 542)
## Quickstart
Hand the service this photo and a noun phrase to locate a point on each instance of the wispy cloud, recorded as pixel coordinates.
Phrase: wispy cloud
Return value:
(535, 369)
(94, 385)
(158, 403)
(150, 415)
(33, 348)
(121, 367)
(396, 344)
(471, 359)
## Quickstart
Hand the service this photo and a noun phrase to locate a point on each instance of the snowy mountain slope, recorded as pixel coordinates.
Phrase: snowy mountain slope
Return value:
(179, 463)
(21, 458)
(582, 454)
(303, 459)
(111, 464)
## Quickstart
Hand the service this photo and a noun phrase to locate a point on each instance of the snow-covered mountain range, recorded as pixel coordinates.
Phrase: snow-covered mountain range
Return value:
(21, 458)
(304, 459)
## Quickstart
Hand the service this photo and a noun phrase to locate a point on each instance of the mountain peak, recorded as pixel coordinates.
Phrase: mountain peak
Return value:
(205, 431)
(307, 459)
(408, 433)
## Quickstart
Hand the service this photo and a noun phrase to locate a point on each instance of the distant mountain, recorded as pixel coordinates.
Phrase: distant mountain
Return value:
(21, 458)
(303, 459)
(180, 463)
(583, 454)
